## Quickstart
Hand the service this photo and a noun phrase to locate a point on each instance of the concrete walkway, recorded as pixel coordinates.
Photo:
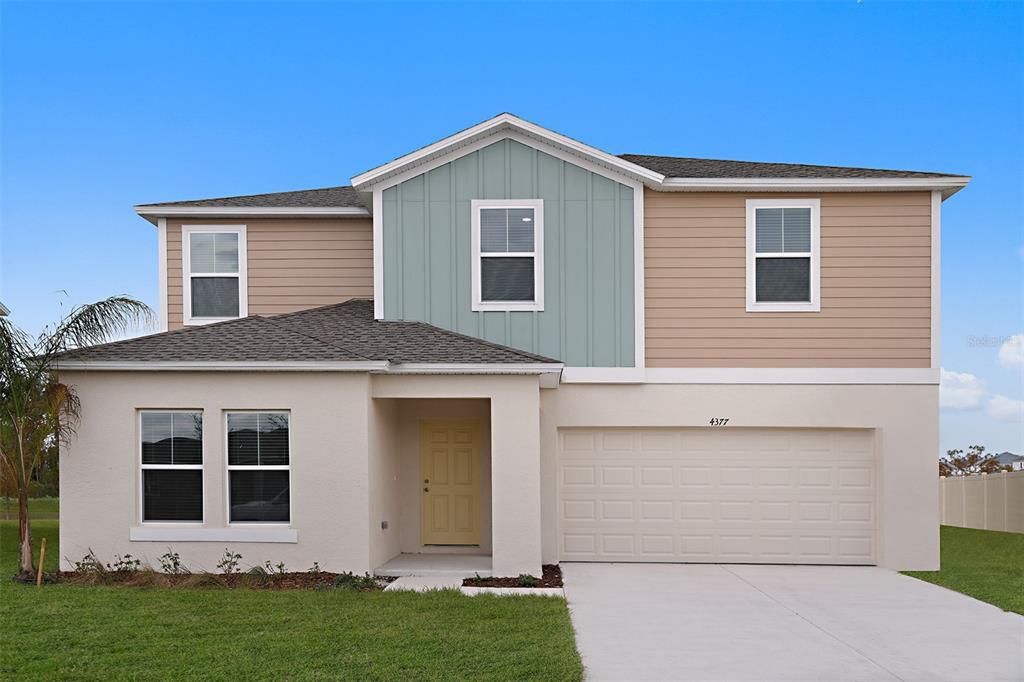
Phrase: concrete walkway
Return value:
(718, 622)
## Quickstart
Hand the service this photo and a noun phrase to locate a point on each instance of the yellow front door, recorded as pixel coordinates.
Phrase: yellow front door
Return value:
(450, 489)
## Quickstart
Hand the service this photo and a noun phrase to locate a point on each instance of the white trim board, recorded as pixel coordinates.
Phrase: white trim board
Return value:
(161, 254)
(224, 211)
(216, 366)
(752, 375)
(374, 366)
(180, 533)
(947, 185)
(936, 273)
(378, 254)
(569, 375)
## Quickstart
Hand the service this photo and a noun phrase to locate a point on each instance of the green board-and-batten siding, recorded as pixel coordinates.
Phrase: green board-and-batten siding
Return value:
(588, 316)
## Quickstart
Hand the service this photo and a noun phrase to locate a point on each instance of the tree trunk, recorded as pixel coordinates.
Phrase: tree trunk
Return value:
(26, 565)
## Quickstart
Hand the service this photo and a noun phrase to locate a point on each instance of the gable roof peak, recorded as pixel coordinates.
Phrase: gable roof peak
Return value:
(504, 124)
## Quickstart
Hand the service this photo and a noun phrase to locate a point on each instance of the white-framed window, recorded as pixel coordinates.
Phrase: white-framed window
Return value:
(508, 254)
(259, 466)
(783, 255)
(171, 466)
(214, 271)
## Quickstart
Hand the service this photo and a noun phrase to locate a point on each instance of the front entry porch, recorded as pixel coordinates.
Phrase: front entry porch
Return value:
(454, 460)
(457, 565)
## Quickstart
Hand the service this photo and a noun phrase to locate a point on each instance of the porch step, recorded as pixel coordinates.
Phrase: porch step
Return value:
(424, 583)
(437, 565)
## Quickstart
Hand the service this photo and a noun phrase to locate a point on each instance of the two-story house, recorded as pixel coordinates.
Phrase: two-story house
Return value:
(513, 346)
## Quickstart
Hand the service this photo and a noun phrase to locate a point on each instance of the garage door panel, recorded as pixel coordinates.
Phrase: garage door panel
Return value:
(730, 495)
(721, 545)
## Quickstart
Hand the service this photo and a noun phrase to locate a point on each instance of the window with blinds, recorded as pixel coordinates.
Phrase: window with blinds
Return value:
(782, 256)
(259, 467)
(171, 445)
(214, 273)
(507, 267)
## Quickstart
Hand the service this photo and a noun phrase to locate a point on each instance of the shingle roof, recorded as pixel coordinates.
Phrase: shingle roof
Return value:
(685, 167)
(343, 332)
(333, 197)
(669, 166)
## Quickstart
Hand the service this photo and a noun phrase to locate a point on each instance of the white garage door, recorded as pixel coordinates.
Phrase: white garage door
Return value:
(802, 496)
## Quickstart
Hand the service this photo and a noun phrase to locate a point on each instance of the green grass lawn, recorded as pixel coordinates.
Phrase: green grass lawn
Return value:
(38, 508)
(985, 564)
(73, 632)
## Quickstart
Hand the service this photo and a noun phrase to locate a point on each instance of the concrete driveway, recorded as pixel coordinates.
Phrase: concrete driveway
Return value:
(733, 622)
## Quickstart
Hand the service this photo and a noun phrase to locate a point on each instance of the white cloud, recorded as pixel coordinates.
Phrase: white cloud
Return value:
(960, 391)
(1011, 353)
(1006, 409)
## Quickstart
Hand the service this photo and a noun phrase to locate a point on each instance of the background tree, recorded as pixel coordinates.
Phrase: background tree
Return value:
(37, 411)
(956, 463)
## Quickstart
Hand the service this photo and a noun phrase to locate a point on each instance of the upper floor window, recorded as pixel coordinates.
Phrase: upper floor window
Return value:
(214, 268)
(171, 450)
(783, 244)
(508, 254)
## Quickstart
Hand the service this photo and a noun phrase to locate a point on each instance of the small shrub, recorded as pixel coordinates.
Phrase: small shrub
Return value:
(276, 568)
(527, 580)
(170, 563)
(229, 563)
(315, 569)
(88, 564)
(125, 564)
(352, 582)
(256, 576)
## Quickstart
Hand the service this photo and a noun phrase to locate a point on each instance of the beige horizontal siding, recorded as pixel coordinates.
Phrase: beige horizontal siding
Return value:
(293, 263)
(875, 285)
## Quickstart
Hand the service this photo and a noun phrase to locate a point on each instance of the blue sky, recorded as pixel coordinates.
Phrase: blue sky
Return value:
(109, 105)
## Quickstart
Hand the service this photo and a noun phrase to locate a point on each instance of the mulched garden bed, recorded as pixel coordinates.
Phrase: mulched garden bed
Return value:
(552, 577)
(247, 580)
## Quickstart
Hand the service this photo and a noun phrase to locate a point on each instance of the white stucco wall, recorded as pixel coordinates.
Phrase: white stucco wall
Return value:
(355, 457)
(385, 467)
(99, 486)
(904, 419)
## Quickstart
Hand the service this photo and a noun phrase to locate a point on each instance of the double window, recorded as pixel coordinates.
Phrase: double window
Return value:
(172, 465)
(258, 467)
(508, 254)
(783, 244)
(214, 266)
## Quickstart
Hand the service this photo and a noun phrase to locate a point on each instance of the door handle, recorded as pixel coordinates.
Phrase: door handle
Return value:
(426, 490)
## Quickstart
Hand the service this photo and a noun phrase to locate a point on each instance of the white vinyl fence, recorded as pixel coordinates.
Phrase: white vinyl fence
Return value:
(986, 501)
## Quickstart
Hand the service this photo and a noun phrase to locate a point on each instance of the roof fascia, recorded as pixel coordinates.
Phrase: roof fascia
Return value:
(389, 172)
(948, 185)
(220, 366)
(147, 211)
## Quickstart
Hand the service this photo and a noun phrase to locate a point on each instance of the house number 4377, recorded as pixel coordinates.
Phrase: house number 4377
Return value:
(719, 421)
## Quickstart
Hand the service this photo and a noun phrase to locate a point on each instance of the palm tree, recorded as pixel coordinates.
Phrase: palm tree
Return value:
(36, 409)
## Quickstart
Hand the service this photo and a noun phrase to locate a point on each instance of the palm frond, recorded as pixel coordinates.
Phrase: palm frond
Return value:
(93, 323)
